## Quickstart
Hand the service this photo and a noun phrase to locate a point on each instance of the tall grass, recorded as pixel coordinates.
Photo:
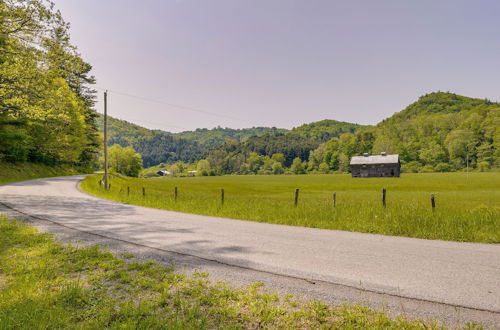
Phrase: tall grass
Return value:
(467, 205)
(47, 285)
(11, 172)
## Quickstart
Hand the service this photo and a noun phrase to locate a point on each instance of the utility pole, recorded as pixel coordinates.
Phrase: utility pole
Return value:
(106, 186)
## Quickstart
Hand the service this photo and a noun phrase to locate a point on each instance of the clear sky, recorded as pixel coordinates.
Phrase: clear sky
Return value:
(283, 62)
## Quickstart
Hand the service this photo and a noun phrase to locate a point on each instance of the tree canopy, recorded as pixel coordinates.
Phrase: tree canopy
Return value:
(45, 100)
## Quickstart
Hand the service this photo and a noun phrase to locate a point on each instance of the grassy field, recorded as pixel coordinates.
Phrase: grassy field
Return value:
(467, 205)
(11, 172)
(47, 285)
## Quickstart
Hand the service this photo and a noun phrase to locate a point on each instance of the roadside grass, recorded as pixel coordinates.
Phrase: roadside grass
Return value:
(467, 205)
(11, 172)
(45, 284)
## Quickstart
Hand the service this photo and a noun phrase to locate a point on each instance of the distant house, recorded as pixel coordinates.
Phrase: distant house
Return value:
(382, 165)
(192, 173)
(163, 172)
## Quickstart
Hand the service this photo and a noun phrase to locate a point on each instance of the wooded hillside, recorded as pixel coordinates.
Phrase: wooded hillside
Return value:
(45, 100)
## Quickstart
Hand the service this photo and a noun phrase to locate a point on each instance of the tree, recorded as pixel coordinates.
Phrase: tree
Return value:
(432, 154)
(461, 144)
(203, 167)
(46, 103)
(278, 157)
(298, 166)
(124, 160)
(278, 168)
(324, 168)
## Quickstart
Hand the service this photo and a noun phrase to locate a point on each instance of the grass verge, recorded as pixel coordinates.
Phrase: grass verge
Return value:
(11, 172)
(467, 205)
(45, 284)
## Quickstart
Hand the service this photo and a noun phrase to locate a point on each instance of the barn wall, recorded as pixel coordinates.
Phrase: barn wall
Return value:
(375, 170)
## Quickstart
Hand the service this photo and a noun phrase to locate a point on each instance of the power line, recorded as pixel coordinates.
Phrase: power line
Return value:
(136, 120)
(147, 99)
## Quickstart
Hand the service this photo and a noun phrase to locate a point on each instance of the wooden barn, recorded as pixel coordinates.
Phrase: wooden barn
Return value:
(382, 165)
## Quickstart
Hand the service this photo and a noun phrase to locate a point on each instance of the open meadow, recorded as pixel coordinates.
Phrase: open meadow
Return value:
(467, 205)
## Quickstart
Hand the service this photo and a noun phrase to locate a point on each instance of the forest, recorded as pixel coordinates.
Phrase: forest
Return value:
(46, 99)
(440, 132)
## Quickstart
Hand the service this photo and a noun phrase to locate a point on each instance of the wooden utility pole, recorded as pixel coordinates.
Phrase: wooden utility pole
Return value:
(106, 140)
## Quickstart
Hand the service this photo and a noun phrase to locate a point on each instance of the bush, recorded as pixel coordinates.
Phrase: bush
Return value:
(483, 166)
(443, 167)
(427, 169)
(125, 160)
(411, 167)
(324, 168)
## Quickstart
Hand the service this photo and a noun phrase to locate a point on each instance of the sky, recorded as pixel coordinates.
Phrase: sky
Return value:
(178, 65)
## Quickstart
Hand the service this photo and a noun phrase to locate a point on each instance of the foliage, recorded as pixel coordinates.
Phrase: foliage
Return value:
(47, 285)
(158, 146)
(124, 160)
(467, 203)
(45, 103)
(325, 130)
(440, 128)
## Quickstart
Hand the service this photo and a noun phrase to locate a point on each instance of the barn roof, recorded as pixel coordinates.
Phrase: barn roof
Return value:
(377, 159)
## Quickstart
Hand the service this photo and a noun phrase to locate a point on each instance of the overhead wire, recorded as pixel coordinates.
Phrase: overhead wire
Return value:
(147, 99)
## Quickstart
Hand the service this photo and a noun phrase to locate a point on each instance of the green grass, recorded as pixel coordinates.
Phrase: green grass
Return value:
(467, 205)
(45, 284)
(11, 172)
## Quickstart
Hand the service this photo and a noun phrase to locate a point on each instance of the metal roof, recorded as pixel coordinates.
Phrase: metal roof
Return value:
(377, 159)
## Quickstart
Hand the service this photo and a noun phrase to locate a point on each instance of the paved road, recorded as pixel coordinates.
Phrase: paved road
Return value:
(458, 274)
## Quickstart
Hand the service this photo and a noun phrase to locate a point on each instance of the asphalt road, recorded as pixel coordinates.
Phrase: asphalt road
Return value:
(458, 275)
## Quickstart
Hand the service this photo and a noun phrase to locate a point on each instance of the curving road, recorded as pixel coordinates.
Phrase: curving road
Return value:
(457, 274)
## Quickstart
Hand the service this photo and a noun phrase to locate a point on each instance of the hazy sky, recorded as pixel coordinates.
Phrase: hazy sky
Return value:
(283, 63)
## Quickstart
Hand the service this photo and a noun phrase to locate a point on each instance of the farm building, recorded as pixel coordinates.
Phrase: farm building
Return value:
(162, 173)
(382, 165)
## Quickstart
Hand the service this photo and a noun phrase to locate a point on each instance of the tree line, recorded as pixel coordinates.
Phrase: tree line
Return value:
(46, 100)
(440, 132)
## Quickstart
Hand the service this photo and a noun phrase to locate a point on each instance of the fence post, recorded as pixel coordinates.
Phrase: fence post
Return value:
(334, 199)
(222, 196)
(383, 197)
(143, 192)
(128, 190)
(433, 203)
(176, 194)
(109, 186)
(296, 200)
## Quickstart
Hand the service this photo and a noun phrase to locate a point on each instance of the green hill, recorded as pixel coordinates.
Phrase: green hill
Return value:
(215, 137)
(438, 132)
(158, 146)
(325, 130)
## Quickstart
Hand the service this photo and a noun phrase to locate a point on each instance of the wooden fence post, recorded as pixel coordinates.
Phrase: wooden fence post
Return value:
(383, 197)
(143, 192)
(433, 203)
(222, 196)
(128, 190)
(334, 199)
(176, 194)
(296, 200)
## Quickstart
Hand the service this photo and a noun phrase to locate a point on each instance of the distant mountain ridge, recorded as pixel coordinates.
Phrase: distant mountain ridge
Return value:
(442, 130)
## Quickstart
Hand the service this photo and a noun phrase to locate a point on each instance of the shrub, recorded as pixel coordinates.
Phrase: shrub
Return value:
(411, 167)
(483, 166)
(443, 167)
